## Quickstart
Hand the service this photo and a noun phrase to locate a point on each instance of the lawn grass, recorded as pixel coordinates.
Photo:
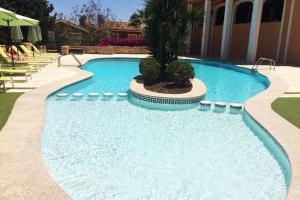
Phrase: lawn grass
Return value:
(288, 108)
(7, 101)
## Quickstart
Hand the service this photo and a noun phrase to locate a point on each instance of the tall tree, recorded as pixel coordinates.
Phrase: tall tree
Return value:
(94, 17)
(36, 9)
(166, 29)
(137, 18)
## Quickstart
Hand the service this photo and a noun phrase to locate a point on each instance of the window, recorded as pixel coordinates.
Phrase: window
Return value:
(244, 13)
(114, 35)
(272, 11)
(51, 36)
(220, 15)
(74, 38)
(51, 40)
(132, 36)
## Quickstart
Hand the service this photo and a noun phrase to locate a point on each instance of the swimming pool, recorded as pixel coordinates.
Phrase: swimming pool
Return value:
(225, 82)
(116, 150)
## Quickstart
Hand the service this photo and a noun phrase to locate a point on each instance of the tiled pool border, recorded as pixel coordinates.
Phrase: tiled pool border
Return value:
(23, 174)
(162, 100)
(259, 131)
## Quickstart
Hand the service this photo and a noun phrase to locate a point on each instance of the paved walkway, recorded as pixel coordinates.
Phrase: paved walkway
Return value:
(290, 75)
(48, 74)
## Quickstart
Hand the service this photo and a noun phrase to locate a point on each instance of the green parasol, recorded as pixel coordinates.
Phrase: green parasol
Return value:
(32, 34)
(27, 20)
(16, 34)
(10, 19)
(6, 17)
(39, 33)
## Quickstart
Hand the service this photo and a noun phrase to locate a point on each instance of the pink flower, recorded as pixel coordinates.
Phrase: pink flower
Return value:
(123, 42)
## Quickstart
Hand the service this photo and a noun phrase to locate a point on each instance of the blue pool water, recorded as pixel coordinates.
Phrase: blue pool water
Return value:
(224, 83)
(116, 150)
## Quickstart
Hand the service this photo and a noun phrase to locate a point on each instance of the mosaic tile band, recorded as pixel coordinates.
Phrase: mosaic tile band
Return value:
(163, 100)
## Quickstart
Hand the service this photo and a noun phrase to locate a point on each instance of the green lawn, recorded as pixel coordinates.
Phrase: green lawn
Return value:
(288, 108)
(7, 102)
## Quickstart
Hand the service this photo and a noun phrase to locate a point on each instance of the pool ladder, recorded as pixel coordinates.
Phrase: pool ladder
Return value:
(77, 60)
(271, 62)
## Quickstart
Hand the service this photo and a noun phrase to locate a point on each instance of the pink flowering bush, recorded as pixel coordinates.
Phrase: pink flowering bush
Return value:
(123, 42)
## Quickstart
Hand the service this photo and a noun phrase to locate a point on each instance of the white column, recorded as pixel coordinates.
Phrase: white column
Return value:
(281, 31)
(226, 29)
(288, 37)
(205, 31)
(254, 30)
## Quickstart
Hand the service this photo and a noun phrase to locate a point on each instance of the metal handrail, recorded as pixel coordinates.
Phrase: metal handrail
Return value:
(272, 63)
(77, 60)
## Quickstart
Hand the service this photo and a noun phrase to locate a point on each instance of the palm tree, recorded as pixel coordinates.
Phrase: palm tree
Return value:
(166, 29)
(137, 18)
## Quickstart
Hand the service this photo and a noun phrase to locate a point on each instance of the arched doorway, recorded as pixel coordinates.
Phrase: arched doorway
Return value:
(272, 11)
(219, 16)
(217, 29)
(242, 14)
(270, 28)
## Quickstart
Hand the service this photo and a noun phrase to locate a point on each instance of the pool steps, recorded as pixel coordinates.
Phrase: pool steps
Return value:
(77, 95)
(92, 96)
(108, 94)
(122, 94)
(237, 106)
(221, 106)
(204, 105)
(62, 95)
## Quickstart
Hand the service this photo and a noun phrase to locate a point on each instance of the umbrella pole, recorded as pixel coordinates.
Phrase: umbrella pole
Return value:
(7, 39)
(9, 43)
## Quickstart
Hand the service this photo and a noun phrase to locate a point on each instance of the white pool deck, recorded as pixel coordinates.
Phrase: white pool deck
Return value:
(23, 174)
(291, 75)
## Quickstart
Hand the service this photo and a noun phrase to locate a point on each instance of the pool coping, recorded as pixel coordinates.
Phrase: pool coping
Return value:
(24, 175)
(285, 133)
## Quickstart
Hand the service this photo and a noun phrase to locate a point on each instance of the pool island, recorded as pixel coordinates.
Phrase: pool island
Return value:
(197, 93)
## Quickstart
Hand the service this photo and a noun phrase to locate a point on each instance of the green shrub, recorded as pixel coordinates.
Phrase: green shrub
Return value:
(180, 72)
(150, 69)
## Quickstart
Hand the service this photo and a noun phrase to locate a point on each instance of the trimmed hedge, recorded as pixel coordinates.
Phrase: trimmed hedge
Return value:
(180, 72)
(150, 69)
